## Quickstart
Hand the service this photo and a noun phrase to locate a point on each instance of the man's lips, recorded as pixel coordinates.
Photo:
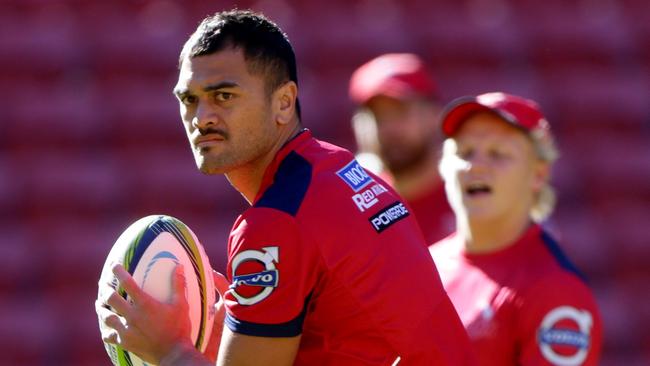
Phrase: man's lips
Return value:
(477, 189)
(208, 140)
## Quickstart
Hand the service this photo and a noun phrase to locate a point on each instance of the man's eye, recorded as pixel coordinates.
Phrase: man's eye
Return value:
(497, 154)
(223, 96)
(465, 153)
(188, 99)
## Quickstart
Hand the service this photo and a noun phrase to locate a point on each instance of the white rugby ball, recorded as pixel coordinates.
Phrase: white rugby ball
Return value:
(149, 250)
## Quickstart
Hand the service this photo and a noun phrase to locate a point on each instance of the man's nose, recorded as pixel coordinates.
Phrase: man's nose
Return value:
(477, 163)
(389, 127)
(205, 116)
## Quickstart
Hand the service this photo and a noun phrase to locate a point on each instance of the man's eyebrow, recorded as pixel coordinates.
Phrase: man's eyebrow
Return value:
(211, 87)
(220, 85)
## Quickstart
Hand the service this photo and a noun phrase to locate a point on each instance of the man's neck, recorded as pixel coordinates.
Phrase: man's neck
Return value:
(487, 236)
(420, 178)
(247, 179)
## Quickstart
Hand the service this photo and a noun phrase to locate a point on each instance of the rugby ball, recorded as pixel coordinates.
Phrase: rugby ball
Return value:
(149, 250)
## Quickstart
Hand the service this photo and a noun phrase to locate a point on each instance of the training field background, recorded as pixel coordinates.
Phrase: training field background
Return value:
(91, 140)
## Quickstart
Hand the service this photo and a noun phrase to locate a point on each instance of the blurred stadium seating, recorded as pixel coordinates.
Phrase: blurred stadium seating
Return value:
(90, 138)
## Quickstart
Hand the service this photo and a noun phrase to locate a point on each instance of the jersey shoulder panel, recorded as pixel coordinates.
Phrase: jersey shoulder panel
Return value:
(290, 184)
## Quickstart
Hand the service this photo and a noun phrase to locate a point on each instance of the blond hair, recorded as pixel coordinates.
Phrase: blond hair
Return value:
(546, 151)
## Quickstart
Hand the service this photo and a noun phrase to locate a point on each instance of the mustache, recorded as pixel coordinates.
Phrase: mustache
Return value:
(213, 131)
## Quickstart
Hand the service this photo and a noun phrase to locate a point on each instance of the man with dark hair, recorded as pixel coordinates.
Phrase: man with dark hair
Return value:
(267, 50)
(326, 268)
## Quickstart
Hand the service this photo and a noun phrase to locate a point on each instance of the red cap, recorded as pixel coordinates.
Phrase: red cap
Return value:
(520, 112)
(396, 75)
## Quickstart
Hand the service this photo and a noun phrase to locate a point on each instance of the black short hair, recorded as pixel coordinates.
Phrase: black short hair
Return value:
(266, 47)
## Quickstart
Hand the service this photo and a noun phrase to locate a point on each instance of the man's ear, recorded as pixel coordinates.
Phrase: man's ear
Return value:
(542, 175)
(284, 104)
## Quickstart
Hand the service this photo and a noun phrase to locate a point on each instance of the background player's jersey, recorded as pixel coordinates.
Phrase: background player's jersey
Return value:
(331, 253)
(430, 206)
(432, 211)
(523, 305)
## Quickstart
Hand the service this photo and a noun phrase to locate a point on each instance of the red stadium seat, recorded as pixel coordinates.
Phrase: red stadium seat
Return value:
(10, 189)
(597, 100)
(623, 327)
(22, 267)
(468, 36)
(28, 331)
(81, 183)
(559, 33)
(583, 239)
(126, 39)
(141, 112)
(75, 247)
(39, 41)
(618, 164)
(460, 81)
(55, 115)
(79, 341)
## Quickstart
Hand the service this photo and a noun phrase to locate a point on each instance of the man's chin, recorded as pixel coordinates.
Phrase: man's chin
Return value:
(404, 163)
(207, 167)
(397, 167)
(211, 170)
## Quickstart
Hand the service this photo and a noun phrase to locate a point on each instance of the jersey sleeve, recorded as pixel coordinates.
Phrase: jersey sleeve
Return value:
(272, 274)
(559, 324)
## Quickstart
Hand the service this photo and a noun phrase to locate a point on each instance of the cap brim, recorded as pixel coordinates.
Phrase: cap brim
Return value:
(459, 111)
(456, 113)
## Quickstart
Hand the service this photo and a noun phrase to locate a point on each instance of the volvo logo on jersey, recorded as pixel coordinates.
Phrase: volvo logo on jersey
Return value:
(354, 175)
(564, 336)
(388, 216)
(254, 275)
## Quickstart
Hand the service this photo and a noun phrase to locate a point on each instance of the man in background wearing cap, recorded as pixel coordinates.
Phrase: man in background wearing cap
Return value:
(398, 135)
(520, 299)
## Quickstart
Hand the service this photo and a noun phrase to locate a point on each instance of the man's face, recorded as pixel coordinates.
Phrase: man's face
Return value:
(405, 131)
(491, 170)
(226, 111)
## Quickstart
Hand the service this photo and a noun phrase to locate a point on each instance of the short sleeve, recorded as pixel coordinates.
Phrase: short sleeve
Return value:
(272, 273)
(559, 324)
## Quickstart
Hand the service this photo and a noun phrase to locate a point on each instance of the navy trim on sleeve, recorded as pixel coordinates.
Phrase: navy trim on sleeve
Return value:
(291, 328)
(289, 186)
(560, 257)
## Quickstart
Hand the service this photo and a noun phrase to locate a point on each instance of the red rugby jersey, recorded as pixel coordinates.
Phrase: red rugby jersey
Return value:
(330, 252)
(432, 211)
(523, 305)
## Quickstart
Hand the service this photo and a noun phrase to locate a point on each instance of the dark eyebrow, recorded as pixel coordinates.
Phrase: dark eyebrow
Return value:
(220, 85)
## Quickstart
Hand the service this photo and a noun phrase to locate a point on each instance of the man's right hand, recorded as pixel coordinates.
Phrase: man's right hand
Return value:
(221, 284)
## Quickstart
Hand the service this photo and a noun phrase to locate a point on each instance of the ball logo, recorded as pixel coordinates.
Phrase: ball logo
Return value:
(254, 275)
(564, 336)
(164, 255)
